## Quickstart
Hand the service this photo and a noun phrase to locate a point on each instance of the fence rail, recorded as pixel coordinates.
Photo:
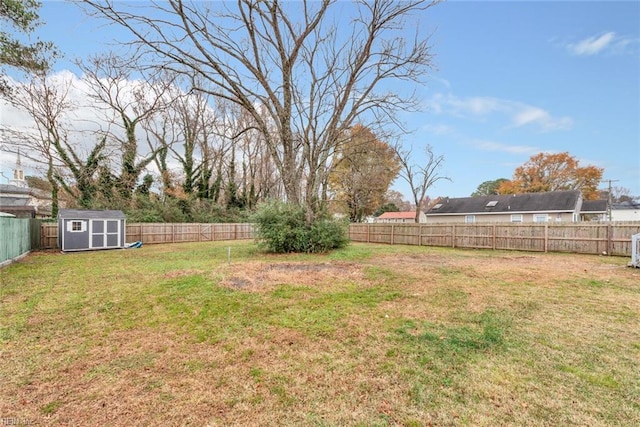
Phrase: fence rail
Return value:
(152, 233)
(610, 238)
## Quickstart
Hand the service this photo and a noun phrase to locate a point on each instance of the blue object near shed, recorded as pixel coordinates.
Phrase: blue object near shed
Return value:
(86, 230)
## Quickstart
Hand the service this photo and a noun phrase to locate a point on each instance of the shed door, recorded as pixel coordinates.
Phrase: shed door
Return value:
(105, 233)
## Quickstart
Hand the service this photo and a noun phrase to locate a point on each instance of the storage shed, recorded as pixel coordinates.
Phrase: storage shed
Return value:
(84, 230)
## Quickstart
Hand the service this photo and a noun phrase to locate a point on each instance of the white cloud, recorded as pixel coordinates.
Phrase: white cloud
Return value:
(592, 45)
(534, 115)
(444, 82)
(504, 148)
(439, 129)
(518, 114)
(608, 42)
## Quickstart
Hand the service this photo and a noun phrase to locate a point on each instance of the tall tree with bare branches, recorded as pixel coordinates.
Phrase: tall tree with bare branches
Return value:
(420, 177)
(314, 67)
(128, 101)
(51, 140)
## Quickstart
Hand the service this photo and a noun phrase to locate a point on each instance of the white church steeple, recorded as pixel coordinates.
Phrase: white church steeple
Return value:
(18, 174)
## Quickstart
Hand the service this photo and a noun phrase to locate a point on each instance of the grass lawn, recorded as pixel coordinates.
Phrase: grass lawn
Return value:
(369, 335)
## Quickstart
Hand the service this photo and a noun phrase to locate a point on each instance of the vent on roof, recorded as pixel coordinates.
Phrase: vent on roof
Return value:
(438, 206)
(492, 203)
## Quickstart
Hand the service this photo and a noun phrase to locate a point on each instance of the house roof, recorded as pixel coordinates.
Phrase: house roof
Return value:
(90, 214)
(9, 201)
(8, 188)
(18, 209)
(594, 206)
(398, 215)
(555, 201)
(625, 205)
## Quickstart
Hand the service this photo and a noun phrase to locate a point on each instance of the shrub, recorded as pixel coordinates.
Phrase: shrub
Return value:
(282, 228)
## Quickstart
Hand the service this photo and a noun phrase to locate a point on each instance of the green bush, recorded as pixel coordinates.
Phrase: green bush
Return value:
(283, 228)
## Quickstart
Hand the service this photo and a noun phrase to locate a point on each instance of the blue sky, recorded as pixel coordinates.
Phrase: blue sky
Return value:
(513, 79)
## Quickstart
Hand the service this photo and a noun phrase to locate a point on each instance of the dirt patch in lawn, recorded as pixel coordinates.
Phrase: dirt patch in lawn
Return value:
(254, 276)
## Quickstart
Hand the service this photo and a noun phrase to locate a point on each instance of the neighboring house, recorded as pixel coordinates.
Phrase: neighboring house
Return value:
(556, 206)
(24, 202)
(400, 217)
(16, 198)
(625, 211)
(594, 210)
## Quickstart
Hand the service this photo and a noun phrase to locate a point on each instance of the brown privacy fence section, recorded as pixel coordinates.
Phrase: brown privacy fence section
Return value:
(612, 238)
(150, 233)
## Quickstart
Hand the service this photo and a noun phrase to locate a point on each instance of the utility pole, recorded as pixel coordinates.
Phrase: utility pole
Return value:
(609, 198)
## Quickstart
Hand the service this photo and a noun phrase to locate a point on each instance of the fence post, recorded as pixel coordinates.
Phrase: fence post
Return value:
(420, 235)
(35, 233)
(453, 236)
(235, 231)
(609, 238)
(546, 238)
(392, 231)
(368, 233)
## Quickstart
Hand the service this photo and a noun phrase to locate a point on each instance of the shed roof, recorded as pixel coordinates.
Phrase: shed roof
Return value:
(555, 201)
(90, 214)
(398, 215)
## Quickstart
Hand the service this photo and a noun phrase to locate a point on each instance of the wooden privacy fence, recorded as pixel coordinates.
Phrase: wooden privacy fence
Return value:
(611, 238)
(151, 233)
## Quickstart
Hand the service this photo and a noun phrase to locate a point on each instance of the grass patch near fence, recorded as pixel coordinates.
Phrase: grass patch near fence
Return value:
(222, 334)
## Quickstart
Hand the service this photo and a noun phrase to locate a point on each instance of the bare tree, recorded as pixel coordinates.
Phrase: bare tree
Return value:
(129, 102)
(292, 60)
(49, 140)
(420, 178)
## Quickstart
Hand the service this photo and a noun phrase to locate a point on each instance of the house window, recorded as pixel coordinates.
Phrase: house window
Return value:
(492, 203)
(516, 218)
(469, 219)
(77, 226)
(541, 218)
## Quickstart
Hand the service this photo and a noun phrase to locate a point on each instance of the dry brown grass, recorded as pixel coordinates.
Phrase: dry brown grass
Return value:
(368, 336)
